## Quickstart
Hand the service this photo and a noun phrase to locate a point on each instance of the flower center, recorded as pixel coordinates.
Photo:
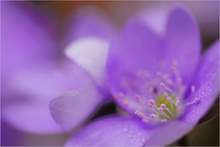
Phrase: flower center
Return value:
(169, 108)
(156, 97)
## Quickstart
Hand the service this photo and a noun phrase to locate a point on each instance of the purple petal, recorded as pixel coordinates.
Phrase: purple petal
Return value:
(155, 17)
(206, 84)
(122, 131)
(88, 22)
(137, 48)
(182, 42)
(71, 109)
(87, 41)
(168, 133)
(112, 131)
(32, 91)
(90, 53)
(26, 37)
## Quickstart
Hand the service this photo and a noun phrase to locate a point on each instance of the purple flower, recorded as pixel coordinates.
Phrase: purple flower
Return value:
(33, 74)
(90, 33)
(160, 79)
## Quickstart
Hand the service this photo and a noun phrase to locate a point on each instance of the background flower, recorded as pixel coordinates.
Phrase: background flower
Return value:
(49, 80)
(35, 71)
(87, 44)
(28, 41)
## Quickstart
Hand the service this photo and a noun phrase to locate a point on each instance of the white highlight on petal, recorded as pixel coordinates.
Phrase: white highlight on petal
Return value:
(90, 53)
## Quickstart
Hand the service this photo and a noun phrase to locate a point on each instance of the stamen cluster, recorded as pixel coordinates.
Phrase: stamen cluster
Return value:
(157, 97)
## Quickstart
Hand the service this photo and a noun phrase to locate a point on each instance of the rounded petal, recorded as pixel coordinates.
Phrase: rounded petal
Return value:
(137, 48)
(32, 91)
(90, 53)
(155, 17)
(88, 22)
(169, 132)
(125, 131)
(206, 85)
(74, 107)
(112, 131)
(87, 41)
(182, 42)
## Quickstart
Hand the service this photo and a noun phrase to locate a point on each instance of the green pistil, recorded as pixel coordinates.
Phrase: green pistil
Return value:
(161, 99)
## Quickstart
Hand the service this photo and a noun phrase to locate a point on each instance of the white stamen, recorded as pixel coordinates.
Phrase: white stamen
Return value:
(139, 114)
(154, 116)
(164, 107)
(163, 120)
(193, 102)
(170, 100)
(196, 100)
(151, 103)
(162, 112)
(166, 88)
(138, 97)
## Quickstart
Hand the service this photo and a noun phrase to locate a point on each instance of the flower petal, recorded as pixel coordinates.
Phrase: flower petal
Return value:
(125, 131)
(169, 132)
(206, 84)
(112, 131)
(90, 53)
(183, 42)
(155, 17)
(74, 107)
(137, 48)
(88, 22)
(32, 91)
(87, 41)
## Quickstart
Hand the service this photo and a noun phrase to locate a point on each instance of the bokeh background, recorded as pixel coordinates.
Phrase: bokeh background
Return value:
(207, 14)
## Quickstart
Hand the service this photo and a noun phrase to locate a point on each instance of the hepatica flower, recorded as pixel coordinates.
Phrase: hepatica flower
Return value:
(161, 79)
(87, 44)
(33, 75)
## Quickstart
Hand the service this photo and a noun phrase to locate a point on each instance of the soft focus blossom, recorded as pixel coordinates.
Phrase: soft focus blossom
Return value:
(87, 44)
(28, 40)
(33, 74)
(161, 79)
